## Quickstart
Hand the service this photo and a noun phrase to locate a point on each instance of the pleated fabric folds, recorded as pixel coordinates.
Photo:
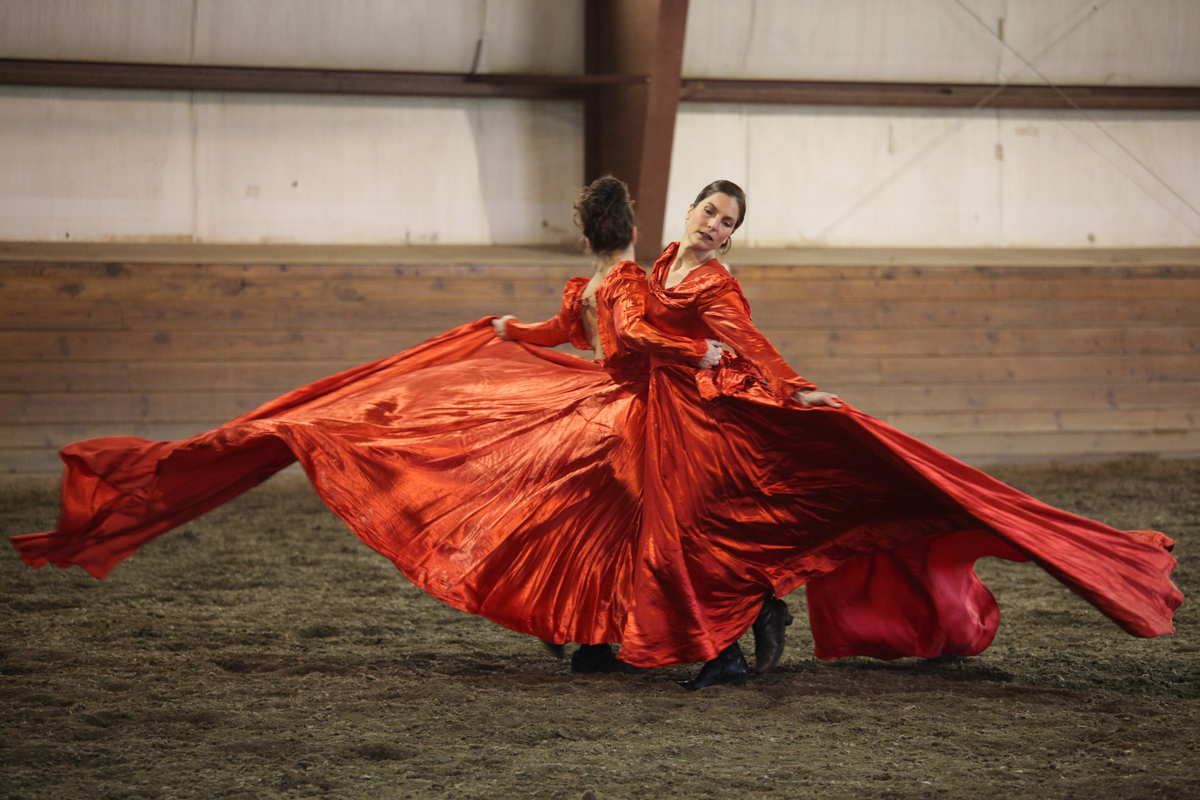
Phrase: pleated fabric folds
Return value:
(638, 501)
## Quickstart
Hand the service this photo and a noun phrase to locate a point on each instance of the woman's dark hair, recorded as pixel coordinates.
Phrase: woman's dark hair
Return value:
(605, 214)
(724, 187)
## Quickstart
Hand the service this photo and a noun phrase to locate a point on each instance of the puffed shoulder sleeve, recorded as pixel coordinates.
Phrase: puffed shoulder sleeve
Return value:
(725, 311)
(562, 327)
(629, 318)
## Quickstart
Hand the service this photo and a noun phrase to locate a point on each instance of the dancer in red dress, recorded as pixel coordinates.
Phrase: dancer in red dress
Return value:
(756, 482)
(637, 500)
(502, 478)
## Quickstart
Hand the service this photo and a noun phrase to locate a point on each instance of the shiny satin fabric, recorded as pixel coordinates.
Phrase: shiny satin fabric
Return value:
(641, 501)
(491, 473)
(746, 492)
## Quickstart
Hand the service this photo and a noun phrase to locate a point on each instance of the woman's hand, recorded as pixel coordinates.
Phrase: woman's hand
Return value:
(815, 397)
(498, 325)
(713, 356)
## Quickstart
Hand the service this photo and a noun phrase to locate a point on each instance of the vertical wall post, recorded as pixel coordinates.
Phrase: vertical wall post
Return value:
(629, 128)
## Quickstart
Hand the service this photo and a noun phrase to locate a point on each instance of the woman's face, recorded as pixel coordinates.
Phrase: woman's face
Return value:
(711, 222)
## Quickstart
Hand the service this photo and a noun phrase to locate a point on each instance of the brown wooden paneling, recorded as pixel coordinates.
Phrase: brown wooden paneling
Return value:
(992, 356)
(55, 435)
(1034, 446)
(1060, 369)
(796, 345)
(222, 345)
(29, 461)
(1165, 421)
(217, 406)
(167, 375)
(1025, 396)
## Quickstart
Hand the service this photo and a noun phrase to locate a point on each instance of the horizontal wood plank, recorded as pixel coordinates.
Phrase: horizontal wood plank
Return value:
(65, 375)
(1164, 421)
(798, 347)
(974, 448)
(988, 448)
(145, 376)
(161, 301)
(882, 401)
(216, 406)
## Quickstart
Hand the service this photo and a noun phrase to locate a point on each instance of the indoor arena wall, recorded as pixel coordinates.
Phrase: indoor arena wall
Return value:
(211, 167)
(170, 259)
(854, 176)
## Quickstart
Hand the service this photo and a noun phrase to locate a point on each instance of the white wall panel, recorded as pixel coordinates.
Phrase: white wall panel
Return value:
(153, 166)
(836, 177)
(432, 35)
(865, 40)
(421, 35)
(97, 30)
(883, 177)
(421, 171)
(1128, 42)
(903, 178)
(1068, 41)
(532, 36)
(79, 164)
(1066, 181)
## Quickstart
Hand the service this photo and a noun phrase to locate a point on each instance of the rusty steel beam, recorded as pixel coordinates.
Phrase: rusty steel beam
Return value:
(190, 77)
(941, 95)
(629, 128)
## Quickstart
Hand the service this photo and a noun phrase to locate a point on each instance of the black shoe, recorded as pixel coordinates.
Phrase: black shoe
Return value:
(556, 650)
(592, 658)
(728, 667)
(769, 634)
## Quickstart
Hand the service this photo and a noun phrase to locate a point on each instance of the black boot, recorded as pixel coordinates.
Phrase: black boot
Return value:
(728, 667)
(555, 649)
(599, 658)
(592, 658)
(769, 634)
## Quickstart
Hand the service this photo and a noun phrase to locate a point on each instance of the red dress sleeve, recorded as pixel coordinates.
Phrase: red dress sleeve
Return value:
(565, 326)
(726, 313)
(628, 303)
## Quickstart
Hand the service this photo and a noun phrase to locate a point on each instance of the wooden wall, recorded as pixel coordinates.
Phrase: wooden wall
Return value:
(992, 356)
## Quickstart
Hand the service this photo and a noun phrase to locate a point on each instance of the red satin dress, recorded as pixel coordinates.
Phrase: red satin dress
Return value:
(746, 491)
(501, 477)
(636, 500)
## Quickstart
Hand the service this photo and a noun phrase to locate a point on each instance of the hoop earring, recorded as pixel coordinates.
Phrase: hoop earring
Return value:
(726, 247)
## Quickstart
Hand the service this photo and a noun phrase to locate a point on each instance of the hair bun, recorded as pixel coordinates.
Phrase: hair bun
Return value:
(607, 191)
(605, 214)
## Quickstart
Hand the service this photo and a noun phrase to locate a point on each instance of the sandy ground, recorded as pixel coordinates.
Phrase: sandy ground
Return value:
(263, 652)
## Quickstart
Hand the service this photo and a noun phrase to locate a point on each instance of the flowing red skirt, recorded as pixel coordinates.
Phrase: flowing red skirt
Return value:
(554, 498)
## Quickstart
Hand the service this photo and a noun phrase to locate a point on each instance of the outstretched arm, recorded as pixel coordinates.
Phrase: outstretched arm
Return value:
(550, 333)
(728, 317)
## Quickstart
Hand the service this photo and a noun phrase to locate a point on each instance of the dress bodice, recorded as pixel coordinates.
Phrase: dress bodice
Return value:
(610, 323)
(709, 304)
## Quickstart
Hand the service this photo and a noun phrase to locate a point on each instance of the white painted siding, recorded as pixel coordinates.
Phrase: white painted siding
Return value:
(108, 165)
(113, 165)
(958, 178)
(1067, 41)
(534, 36)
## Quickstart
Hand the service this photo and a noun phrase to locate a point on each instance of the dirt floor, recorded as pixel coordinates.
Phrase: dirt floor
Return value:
(263, 652)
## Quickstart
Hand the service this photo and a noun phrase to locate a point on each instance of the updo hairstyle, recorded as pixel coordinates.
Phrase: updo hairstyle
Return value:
(604, 213)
